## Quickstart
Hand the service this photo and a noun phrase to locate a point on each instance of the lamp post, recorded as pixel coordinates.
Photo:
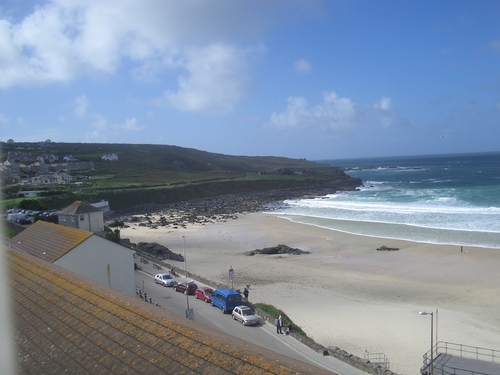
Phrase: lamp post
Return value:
(432, 339)
(185, 260)
(189, 312)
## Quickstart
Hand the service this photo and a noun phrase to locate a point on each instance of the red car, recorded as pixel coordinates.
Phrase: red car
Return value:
(204, 293)
(186, 288)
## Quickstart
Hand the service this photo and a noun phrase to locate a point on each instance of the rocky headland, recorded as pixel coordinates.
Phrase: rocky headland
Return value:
(210, 210)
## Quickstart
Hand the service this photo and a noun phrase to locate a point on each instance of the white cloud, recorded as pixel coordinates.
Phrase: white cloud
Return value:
(65, 40)
(335, 115)
(302, 66)
(130, 124)
(104, 131)
(81, 105)
(217, 79)
(384, 103)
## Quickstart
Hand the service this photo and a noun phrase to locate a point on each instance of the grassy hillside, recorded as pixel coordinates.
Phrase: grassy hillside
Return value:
(164, 174)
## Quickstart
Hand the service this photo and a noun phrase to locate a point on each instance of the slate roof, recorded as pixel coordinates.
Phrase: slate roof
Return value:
(77, 208)
(48, 241)
(65, 323)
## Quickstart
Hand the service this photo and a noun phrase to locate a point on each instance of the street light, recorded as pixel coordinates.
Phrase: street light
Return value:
(189, 312)
(432, 338)
(185, 260)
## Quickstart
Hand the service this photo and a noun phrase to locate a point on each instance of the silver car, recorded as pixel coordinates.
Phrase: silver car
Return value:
(245, 315)
(165, 279)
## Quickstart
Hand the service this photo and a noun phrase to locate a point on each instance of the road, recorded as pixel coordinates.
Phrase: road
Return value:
(263, 335)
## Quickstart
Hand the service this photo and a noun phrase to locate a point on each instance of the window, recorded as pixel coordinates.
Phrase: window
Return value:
(82, 218)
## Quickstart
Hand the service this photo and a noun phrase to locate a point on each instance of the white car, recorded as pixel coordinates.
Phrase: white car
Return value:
(245, 315)
(165, 279)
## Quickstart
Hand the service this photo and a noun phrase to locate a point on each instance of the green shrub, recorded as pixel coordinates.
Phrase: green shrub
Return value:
(271, 310)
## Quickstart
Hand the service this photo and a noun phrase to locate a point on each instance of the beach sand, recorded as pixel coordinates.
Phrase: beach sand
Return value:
(345, 293)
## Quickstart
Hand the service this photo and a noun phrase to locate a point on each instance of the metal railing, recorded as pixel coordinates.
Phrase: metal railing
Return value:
(377, 358)
(144, 296)
(447, 370)
(472, 352)
(464, 351)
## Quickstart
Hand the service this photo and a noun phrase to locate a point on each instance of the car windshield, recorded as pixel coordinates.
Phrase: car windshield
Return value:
(246, 312)
(209, 291)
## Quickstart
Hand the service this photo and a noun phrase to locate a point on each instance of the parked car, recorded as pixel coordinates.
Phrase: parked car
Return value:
(186, 288)
(226, 299)
(24, 221)
(245, 315)
(204, 293)
(165, 279)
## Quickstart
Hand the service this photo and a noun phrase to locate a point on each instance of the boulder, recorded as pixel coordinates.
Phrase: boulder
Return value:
(385, 248)
(159, 251)
(280, 249)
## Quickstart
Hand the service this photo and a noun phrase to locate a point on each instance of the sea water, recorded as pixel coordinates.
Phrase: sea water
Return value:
(441, 199)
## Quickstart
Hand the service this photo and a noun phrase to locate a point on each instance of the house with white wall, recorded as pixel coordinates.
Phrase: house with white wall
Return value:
(80, 251)
(81, 215)
(109, 157)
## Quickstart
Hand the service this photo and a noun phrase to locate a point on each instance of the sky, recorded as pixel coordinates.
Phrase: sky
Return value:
(310, 79)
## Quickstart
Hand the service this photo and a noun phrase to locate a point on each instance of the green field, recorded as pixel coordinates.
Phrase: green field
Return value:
(162, 174)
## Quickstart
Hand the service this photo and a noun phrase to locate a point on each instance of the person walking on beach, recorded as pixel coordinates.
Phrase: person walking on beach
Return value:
(279, 324)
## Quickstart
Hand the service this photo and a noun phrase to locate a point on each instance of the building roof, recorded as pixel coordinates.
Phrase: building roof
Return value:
(77, 208)
(48, 241)
(65, 323)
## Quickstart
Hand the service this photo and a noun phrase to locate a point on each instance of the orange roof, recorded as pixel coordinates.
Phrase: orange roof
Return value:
(66, 323)
(48, 241)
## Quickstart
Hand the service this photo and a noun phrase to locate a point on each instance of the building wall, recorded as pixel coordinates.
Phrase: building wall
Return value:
(103, 261)
(91, 221)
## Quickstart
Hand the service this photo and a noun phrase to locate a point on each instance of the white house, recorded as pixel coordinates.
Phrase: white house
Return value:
(80, 215)
(82, 252)
(110, 157)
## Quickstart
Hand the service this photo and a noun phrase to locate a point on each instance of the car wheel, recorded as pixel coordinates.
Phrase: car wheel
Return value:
(207, 300)
(234, 318)
(212, 304)
(243, 322)
(223, 311)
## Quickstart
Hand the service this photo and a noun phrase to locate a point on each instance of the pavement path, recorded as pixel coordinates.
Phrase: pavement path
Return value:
(288, 343)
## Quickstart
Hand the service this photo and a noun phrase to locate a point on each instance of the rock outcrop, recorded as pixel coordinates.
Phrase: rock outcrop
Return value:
(385, 248)
(159, 251)
(280, 249)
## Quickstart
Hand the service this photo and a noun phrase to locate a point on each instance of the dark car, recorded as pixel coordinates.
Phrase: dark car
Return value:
(204, 293)
(24, 221)
(186, 288)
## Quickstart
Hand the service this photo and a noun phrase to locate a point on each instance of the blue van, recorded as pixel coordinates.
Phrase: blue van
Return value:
(226, 299)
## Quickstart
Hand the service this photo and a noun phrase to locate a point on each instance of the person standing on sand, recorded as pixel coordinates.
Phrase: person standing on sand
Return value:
(279, 323)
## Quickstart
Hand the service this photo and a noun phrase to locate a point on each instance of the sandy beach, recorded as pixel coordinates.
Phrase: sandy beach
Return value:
(345, 293)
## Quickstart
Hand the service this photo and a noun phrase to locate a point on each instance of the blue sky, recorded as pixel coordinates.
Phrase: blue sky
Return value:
(300, 78)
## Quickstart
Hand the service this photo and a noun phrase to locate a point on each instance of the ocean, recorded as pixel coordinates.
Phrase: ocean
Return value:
(439, 199)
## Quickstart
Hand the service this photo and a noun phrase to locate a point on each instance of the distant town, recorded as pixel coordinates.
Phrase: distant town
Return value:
(20, 167)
